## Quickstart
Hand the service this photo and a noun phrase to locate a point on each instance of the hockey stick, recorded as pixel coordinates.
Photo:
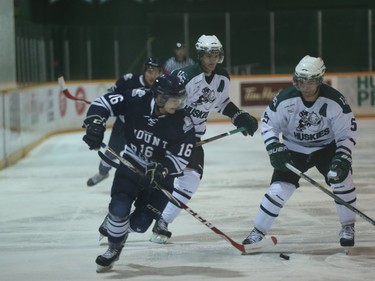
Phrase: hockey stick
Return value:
(70, 96)
(336, 198)
(107, 160)
(241, 129)
(67, 93)
(174, 200)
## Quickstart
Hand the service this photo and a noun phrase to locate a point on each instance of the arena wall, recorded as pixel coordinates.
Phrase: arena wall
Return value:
(30, 115)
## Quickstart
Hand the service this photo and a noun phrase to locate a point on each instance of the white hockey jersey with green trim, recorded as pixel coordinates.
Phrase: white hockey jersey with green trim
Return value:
(307, 127)
(203, 97)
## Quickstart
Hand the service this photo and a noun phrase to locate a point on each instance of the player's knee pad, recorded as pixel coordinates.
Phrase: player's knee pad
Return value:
(118, 218)
(140, 220)
(276, 197)
(345, 190)
(271, 204)
(120, 205)
(187, 184)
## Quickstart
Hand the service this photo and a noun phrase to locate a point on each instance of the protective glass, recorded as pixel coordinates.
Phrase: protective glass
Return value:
(167, 101)
(302, 83)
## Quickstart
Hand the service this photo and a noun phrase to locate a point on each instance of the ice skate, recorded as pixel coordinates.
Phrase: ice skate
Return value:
(103, 229)
(255, 236)
(160, 232)
(347, 235)
(106, 261)
(97, 178)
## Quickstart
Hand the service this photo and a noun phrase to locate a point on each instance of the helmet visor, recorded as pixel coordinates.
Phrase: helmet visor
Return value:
(169, 101)
(303, 83)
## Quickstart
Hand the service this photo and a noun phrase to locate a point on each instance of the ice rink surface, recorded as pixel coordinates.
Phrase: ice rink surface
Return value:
(49, 219)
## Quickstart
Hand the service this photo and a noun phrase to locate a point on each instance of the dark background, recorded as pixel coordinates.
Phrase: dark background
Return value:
(344, 47)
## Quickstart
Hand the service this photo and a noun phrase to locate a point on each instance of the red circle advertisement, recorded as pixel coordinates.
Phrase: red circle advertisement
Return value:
(62, 103)
(80, 106)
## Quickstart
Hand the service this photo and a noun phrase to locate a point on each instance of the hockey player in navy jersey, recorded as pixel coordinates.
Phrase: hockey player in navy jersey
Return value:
(318, 130)
(207, 87)
(151, 70)
(159, 138)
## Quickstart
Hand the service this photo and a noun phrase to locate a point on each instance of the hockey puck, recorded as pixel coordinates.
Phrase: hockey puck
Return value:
(284, 256)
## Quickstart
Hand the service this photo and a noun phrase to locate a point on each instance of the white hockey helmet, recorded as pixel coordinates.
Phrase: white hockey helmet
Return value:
(208, 44)
(310, 68)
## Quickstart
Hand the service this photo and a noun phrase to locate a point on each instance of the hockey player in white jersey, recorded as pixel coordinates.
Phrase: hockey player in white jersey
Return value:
(207, 88)
(318, 129)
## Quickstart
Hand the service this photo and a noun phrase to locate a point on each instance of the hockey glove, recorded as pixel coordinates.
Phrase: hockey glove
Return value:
(279, 156)
(339, 168)
(95, 128)
(155, 174)
(243, 119)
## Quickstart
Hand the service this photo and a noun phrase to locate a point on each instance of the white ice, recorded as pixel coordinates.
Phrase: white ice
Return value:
(49, 219)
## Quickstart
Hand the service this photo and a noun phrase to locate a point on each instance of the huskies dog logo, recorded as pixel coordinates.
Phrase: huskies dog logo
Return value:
(309, 120)
(208, 96)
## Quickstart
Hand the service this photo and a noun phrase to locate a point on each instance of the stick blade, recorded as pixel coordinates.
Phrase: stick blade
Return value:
(62, 83)
(264, 245)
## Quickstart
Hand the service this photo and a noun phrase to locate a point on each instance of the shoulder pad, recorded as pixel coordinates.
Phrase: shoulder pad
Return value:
(188, 72)
(222, 71)
(287, 93)
(334, 95)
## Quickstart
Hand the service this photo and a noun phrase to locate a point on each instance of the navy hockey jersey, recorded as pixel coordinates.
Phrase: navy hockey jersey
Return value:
(166, 139)
(128, 81)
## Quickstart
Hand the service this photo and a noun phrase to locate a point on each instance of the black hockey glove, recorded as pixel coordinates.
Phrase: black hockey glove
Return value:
(95, 128)
(155, 174)
(279, 156)
(339, 168)
(243, 119)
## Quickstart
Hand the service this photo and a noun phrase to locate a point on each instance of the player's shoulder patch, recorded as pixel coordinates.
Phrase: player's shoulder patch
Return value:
(332, 94)
(138, 92)
(283, 95)
(128, 76)
(188, 72)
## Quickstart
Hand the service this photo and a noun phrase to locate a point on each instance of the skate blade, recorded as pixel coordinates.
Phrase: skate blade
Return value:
(347, 250)
(101, 269)
(159, 239)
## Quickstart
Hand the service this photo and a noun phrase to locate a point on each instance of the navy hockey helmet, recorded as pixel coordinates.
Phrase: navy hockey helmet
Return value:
(168, 86)
(152, 63)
